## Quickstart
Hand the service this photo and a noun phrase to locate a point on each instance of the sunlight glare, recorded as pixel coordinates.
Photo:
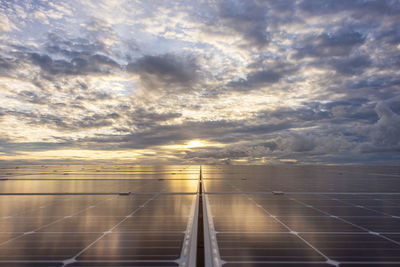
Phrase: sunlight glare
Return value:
(195, 143)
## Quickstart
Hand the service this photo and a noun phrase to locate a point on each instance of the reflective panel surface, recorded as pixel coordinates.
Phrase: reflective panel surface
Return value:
(303, 215)
(96, 215)
(253, 215)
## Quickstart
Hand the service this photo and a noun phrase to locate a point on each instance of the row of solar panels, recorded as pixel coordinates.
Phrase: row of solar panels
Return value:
(98, 222)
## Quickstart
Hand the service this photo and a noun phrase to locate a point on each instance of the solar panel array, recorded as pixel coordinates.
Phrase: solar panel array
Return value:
(97, 216)
(303, 216)
(147, 215)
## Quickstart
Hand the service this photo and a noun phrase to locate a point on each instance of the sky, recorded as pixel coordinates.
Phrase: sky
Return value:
(200, 82)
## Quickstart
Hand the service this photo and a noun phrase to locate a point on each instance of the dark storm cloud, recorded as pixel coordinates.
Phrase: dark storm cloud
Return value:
(361, 126)
(259, 78)
(391, 35)
(32, 97)
(301, 143)
(386, 131)
(65, 123)
(360, 7)
(249, 18)
(61, 56)
(165, 71)
(10, 147)
(264, 128)
(147, 117)
(271, 74)
(73, 47)
(46, 71)
(350, 110)
(302, 114)
(232, 152)
(96, 121)
(75, 66)
(351, 66)
(92, 96)
(375, 82)
(339, 43)
(7, 65)
(337, 115)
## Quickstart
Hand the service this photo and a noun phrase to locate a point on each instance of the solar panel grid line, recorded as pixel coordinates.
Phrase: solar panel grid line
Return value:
(328, 260)
(373, 174)
(353, 224)
(363, 207)
(72, 215)
(23, 211)
(43, 226)
(378, 263)
(73, 259)
(394, 203)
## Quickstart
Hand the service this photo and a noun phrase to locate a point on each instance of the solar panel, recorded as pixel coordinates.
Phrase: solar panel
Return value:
(322, 216)
(80, 217)
(148, 216)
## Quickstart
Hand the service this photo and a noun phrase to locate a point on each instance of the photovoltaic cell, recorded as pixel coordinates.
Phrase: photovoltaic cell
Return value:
(321, 215)
(80, 218)
(325, 215)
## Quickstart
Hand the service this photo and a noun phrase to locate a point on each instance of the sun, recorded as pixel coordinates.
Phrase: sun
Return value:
(195, 143)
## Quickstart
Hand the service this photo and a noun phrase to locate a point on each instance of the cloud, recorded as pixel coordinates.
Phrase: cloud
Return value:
(258, 78)
(11, 147)
(391, 35)
(76, 66)
(64, 123)
(386, 131)
(271, 74)
(339, 43)
(359, 7)
(32, 97)
(232, 152)
(263, 81)
(351, 66)
(248, 18)
(166, 72)
(301, 143)
(7, 65)
(145, 118)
